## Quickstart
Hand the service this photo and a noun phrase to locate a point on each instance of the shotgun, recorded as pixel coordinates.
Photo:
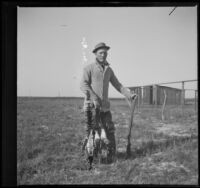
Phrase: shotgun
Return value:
(131, 104)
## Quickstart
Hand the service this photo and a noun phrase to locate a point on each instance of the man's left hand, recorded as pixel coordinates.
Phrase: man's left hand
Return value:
(133, 96)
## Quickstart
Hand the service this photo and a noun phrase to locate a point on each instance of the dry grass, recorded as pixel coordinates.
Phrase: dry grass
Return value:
(49, 131)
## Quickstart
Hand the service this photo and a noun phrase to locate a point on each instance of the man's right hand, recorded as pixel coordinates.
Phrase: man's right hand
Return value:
(96, 101)
(97, 104)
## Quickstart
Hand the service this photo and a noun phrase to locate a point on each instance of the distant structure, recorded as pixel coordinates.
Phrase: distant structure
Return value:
(154, 94)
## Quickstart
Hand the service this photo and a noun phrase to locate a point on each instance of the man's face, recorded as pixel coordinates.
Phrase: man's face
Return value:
(101, 55)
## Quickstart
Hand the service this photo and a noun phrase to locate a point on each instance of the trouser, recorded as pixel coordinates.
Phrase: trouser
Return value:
(92, 119)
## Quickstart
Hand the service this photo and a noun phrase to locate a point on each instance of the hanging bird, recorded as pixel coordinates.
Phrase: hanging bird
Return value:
(90, 149)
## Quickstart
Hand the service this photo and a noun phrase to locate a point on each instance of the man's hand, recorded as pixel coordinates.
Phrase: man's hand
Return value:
(130, 95)
(96, 101)
(97, 104)
(133, 96)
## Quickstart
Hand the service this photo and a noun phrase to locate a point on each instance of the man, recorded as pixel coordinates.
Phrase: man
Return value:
(94, 85)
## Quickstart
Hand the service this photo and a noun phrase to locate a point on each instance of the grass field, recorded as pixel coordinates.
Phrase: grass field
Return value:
(50, 131)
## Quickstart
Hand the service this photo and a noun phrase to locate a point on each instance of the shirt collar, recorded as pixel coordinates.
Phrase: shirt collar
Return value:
(105, 63)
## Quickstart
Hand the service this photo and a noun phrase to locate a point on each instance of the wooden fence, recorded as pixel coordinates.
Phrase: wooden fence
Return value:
(154, 94)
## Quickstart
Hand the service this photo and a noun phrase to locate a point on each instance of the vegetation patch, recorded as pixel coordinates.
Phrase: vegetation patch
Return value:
(50, 131)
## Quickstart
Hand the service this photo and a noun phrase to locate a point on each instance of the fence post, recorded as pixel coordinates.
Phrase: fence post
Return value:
(142, 95)
(139, 97)
(183, 94)
(164, 103)
(156, 95)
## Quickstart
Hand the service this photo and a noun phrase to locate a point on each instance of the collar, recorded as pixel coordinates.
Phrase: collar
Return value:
(104, 63)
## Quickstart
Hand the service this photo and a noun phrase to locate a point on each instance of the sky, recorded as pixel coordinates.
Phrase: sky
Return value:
(147, 46)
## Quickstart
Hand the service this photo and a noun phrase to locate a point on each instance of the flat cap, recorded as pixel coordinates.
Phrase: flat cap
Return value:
(100, 45)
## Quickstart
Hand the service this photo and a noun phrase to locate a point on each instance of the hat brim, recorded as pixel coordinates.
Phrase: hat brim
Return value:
(105, 47)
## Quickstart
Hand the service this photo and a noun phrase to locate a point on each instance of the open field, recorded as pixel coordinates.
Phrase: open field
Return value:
(50, 130)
